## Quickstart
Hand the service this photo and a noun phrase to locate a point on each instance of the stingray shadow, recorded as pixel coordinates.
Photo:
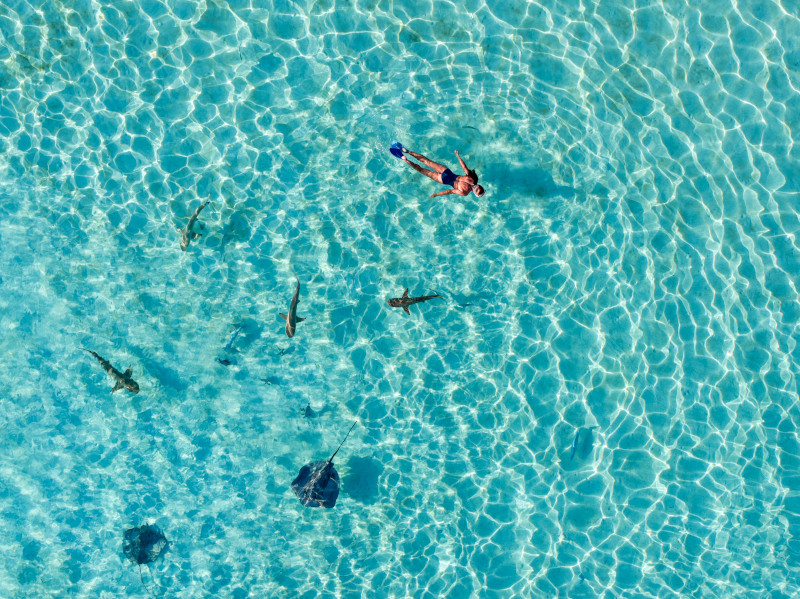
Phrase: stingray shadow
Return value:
(525, 179)
(361, 482)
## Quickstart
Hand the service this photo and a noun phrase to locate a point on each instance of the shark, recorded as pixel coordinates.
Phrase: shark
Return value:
(229, 349)
(584, 439)
(231, 339)
(291, 318)
(405, 301)
(188, 233)
(124, 380)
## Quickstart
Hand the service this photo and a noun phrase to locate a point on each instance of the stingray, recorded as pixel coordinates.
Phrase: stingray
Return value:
(317, 485)
(143, 545)
(309, 412)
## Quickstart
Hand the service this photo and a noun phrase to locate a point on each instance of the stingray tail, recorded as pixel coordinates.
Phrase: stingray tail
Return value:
(342, 443)
(144, 584)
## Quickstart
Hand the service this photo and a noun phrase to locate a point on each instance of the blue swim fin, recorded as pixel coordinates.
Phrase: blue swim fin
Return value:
(396, 149)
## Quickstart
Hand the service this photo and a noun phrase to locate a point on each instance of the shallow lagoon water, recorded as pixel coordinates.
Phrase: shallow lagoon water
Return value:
(631, 268)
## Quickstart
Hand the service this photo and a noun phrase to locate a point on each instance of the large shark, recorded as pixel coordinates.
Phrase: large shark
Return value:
(405, 301)
(124, 380)
(188, 233)
(291, 318)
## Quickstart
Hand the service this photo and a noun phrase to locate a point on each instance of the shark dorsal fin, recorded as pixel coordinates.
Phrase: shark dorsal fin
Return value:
(330, 461)
(127, 374)
(405, 293)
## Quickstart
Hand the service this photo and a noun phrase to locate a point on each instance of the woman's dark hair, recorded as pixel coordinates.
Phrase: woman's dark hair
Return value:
(473, 175)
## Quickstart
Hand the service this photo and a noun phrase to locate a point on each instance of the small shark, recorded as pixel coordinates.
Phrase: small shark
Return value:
(188, 233)
(229, 349)
(124, 380)
(292, 319)
(231, 339)
(588, 441)
(405, 301)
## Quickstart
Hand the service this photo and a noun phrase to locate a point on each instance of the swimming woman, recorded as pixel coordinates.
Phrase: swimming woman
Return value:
(462, 184)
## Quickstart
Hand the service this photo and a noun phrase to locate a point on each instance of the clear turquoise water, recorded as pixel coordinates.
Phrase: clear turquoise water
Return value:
(632, 268)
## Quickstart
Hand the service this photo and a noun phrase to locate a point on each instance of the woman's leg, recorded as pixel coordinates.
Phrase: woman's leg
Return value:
(434, 165)
(428, 173)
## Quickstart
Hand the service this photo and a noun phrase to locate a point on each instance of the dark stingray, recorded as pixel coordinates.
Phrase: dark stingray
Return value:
(317, 485)
(309, 412)
(143, 545)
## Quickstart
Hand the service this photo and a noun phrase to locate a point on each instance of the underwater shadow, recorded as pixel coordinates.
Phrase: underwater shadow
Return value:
(165, 375)
(524, 179)
(361, 482)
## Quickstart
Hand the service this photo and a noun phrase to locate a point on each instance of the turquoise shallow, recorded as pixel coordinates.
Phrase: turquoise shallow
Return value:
(604, 404)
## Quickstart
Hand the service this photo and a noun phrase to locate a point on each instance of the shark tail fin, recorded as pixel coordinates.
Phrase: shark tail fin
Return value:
(406, 309)
(286, 318)
(300, 319)
(117, 387)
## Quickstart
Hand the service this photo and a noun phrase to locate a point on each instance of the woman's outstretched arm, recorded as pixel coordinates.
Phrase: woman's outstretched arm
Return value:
(464, 166)
(444, 193)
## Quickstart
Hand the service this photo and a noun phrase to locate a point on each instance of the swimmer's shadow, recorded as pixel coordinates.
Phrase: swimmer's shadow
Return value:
(527, 180)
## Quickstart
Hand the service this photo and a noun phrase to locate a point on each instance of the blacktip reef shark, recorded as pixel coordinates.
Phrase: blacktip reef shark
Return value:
(231, 339)
(230, 349)
(124, 380)
(405, 301)
(188, 233)
(291, 318)
(585, 444)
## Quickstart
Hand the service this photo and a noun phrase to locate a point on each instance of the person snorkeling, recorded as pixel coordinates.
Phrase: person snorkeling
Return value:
(462, 184)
